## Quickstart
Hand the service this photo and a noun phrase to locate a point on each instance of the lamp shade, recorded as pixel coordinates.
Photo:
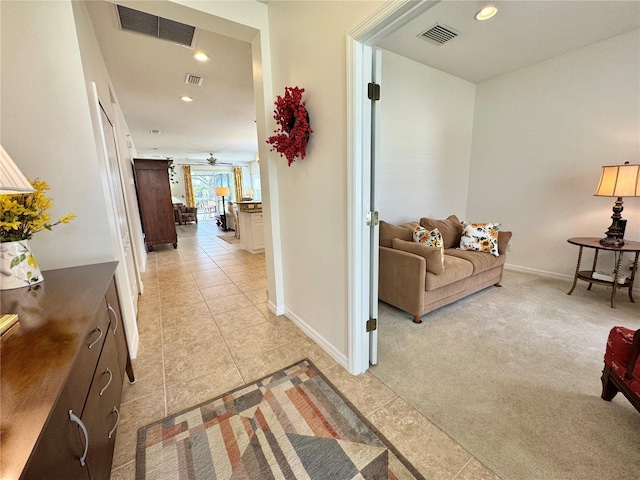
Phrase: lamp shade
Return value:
(619, 181)
(222, 191)
(12, 181)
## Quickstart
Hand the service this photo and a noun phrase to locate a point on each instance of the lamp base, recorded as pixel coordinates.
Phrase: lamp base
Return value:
(614, 242)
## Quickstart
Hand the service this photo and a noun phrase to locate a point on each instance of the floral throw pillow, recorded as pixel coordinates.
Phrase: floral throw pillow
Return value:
(430, 238)
(480, 237)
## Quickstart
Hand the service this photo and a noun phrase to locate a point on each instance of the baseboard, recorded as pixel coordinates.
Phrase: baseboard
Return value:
(317, 338)
(273, 308)
(517, 268)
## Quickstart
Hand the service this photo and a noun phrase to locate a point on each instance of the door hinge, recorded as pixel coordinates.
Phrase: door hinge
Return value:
(373, 91)
(372, 219)
(372, 324)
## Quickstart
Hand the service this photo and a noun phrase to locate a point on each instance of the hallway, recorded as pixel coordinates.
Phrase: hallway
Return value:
(205, 328)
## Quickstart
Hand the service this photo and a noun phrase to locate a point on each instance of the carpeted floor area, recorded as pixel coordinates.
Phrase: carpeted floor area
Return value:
(229, 237)
(291, 424)
(513, 375)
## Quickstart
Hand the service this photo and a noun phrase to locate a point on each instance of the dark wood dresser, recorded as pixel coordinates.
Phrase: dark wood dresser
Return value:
(154, 200)
(62, 369)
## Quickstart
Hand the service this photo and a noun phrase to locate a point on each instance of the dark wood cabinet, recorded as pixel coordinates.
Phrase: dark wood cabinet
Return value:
(154, 200)
(63, 367)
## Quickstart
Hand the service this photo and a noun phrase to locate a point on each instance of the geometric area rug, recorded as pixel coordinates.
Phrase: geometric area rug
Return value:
(292, 424)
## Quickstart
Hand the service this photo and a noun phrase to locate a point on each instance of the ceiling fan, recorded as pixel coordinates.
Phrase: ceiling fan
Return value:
(212, 161)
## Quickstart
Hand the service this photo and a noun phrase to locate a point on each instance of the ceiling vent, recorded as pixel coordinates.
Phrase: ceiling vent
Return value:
(194, 79)
(140, 22)
(439, 34)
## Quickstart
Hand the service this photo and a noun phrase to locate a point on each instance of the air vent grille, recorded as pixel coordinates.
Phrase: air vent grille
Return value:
(140, 22)
(439, 34)
(194, 79)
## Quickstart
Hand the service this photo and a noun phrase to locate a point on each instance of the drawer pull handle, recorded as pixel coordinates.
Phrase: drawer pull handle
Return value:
(116, 317)
(115, 410)
(109, 382)
(98, 329)
(74, 419)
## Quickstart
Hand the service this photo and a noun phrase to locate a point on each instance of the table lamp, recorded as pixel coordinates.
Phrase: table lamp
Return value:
(618, 181)
(12, 181)
(222, 192)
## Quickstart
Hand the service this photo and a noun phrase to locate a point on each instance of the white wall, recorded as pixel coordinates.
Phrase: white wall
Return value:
(308, 49)
(47, 129)
(426, 120)
(540, 137)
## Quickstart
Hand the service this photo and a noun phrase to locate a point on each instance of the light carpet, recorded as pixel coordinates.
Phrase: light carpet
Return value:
(292, 424)
(513, 375)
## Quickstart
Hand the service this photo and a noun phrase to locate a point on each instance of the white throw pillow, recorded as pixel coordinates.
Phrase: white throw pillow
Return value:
(480, 237)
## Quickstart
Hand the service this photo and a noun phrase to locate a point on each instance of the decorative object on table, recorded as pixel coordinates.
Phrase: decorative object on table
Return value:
(223, 192)
(618, 181)
(248, 196)
(23, 215)
(291, 424)
(291, 136)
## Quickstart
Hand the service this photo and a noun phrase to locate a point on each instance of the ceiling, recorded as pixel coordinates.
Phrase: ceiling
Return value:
(148, 74)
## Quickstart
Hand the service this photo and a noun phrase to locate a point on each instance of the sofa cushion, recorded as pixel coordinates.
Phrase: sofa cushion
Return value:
(431, 238)
(480, 260)
(618, 351)
(454, 269)
(480, 237)
(389, 231)
(451, 229)
(431, 254)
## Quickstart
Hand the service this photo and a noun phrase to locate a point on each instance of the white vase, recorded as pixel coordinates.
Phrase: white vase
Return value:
(18, 267)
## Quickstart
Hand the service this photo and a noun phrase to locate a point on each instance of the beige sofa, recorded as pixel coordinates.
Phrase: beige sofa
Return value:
(416, 282)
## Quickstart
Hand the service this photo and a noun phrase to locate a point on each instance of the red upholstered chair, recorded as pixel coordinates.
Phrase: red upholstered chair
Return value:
(621, 366)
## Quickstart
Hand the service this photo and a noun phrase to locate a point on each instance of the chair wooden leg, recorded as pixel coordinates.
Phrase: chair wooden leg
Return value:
(417, 319)
(609, 390)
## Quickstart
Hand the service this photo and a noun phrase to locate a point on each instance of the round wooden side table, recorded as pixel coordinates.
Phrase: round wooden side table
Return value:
(587, 275)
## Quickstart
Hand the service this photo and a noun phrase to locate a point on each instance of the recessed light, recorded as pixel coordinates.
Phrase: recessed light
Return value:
(201, 57)
(184, 98)
(486, 13)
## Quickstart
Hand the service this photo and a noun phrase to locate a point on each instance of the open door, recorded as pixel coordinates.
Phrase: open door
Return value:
(374, 94)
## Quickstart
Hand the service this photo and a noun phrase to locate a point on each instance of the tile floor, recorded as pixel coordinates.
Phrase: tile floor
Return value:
(205, 328)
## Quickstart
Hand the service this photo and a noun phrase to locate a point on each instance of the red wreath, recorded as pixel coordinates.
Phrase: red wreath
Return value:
(291, 136)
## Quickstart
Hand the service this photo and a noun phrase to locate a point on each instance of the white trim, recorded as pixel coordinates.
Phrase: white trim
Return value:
(275, 309)
(358, 72)
(517, 268)
(389, 17)
(317, 338)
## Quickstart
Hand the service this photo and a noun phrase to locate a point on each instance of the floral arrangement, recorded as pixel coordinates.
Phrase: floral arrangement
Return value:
(291, 136)
(25, 215)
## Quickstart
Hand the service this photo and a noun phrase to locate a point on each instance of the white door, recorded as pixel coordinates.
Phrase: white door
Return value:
(376, 74)
(115, 182)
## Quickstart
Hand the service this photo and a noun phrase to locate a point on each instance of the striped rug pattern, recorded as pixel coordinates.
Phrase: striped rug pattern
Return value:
(292, 424)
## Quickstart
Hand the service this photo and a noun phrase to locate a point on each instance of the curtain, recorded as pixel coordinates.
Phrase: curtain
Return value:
(188, 187)
(237, 181)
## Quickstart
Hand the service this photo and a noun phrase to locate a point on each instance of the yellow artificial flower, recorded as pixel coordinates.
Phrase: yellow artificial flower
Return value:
(25, 215)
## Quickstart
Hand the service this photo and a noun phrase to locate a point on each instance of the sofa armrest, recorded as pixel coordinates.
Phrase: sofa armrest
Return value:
(402, 279)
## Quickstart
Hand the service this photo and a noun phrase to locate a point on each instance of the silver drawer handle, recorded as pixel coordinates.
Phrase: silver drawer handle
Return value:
(74, 419)
(115, 315)
(115, 410)
(109, 382)
(99, 337)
